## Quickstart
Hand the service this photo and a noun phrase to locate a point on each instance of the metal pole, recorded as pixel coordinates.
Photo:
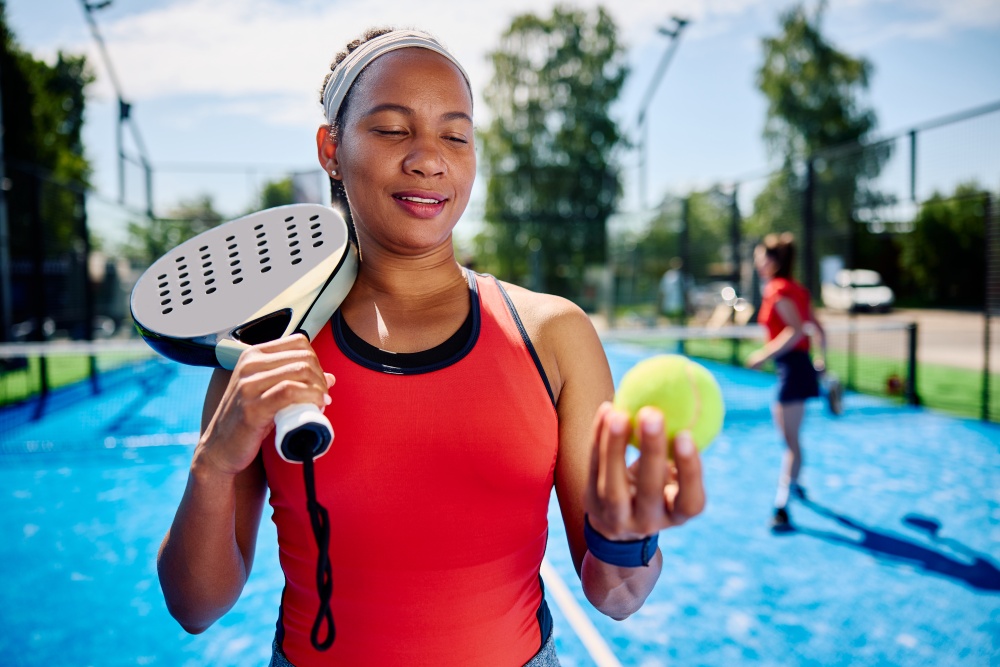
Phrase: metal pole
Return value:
(987, 310)
(41, 307)
(124, 110)
(685, 252)
(674, 34)
(6, 308)
(912, 397)
(89, 310)
(913, 166)
(808, 227)
(734, 243)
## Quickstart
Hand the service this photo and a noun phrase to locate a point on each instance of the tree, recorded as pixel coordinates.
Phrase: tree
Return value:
(816, 112)
(942, 261)
(150, 239)
(43, 115)
(548, 151)
(278, 193)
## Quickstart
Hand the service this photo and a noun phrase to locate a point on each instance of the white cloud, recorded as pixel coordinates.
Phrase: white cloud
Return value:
(239, 48)
(236, 49)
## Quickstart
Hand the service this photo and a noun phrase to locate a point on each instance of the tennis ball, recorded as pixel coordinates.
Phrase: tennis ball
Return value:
(685, 391)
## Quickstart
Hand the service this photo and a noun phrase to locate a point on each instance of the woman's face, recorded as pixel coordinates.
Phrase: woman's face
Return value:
(406, 150)
(764, 263)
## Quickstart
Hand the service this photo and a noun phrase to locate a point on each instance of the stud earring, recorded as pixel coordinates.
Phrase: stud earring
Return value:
(333, 172)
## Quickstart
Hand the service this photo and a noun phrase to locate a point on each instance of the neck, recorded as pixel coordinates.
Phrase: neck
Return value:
(407, 304)
(408, 282)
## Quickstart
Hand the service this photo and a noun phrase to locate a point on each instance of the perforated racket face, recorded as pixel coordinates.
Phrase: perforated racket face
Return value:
(240, 270)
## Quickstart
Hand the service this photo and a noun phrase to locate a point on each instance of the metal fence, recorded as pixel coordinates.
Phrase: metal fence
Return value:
(916, 211)
(854, 207)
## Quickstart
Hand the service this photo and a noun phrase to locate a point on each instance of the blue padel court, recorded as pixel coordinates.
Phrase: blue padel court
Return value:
(894, 558)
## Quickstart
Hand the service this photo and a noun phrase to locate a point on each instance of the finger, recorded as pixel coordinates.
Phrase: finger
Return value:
(613, 483)
(652, 470)
(295, 341)
(299, 373)
(690, 498)
(595, 449)
(260, 362)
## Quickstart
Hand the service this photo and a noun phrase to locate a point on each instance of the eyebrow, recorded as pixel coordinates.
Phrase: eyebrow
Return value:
(405, 110)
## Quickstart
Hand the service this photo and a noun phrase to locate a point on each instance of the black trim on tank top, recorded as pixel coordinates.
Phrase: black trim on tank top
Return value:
(458, 345)
(543, 615)
(526, 339)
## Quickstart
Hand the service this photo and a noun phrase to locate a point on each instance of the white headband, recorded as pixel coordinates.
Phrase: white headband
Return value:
(350, 67)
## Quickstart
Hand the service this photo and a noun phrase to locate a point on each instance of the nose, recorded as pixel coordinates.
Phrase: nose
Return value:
(424, 158)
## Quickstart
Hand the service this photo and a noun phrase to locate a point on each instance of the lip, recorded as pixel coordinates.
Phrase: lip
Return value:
(420, 203)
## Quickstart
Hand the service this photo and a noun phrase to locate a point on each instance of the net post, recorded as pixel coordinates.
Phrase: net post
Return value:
(989, 232)
(685, 255)
(88, 288)
(809, 227)
(852, 353)
(38, 278)
(912, 398)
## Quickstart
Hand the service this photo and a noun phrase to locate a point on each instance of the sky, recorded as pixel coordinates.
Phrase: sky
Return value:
(225, 92)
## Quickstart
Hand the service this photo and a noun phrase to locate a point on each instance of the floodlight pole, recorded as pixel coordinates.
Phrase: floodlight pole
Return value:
(124, 112)
(642, 126)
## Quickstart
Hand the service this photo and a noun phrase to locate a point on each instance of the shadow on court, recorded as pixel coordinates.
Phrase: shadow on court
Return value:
(970, 567)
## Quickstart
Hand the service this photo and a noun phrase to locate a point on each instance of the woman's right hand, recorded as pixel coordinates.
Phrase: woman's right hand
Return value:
(267, 378)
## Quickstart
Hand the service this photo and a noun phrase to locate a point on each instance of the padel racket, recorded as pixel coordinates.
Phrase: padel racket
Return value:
(248, 281)
(255, 279)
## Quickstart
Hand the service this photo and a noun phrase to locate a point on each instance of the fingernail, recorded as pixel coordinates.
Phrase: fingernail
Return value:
(327, 400)
(618, 424)
(653, 424)
(684, 445)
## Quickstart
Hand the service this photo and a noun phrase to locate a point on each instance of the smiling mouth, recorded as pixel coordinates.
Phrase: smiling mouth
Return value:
(420, 200)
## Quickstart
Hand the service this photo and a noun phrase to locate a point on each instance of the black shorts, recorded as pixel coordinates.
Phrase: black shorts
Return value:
(797, 378)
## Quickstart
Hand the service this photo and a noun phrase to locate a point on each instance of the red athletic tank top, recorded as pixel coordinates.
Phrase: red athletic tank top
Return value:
(775, 290)
(437, 486)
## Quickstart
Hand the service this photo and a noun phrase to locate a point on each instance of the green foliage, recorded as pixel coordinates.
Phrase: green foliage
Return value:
(43, 115)
(150, 239)
(812, 89)
(548, 152)
(942, 260)
(705, 243)
(815, 111)
(278, 193)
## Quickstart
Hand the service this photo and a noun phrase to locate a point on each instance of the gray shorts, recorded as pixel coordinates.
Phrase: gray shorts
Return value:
(545, 658)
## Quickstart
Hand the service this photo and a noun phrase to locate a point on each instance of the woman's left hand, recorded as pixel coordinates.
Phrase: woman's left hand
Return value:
(653, 493)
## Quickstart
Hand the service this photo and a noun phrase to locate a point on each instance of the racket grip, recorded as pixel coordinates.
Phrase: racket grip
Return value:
(302, 431)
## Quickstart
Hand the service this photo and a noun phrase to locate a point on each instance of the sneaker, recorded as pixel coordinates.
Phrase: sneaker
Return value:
(780, 519)
(835, 396)
(798, 491)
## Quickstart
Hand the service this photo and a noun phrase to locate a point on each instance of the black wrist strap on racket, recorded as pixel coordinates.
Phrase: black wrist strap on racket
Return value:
(320, 520)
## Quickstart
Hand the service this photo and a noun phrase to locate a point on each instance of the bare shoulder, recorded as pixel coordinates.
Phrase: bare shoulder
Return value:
(562, 334)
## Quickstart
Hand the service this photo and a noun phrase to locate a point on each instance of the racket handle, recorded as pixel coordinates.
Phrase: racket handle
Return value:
(302, 431)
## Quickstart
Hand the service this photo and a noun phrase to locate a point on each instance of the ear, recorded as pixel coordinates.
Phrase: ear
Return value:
(326, 150)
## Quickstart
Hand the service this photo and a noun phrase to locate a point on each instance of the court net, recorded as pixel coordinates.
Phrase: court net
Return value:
(115, 394)
(874, 363)
(71, 396)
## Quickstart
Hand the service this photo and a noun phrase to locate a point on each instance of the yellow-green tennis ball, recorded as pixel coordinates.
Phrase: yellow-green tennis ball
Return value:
(685, 391)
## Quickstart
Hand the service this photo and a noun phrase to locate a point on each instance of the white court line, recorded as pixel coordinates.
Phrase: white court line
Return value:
(577, 617)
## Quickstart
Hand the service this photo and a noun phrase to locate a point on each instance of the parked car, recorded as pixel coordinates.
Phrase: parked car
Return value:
(857, 289)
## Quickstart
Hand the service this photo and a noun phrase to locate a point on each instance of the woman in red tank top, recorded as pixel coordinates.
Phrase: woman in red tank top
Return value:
(786, 313)
(421, 339)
